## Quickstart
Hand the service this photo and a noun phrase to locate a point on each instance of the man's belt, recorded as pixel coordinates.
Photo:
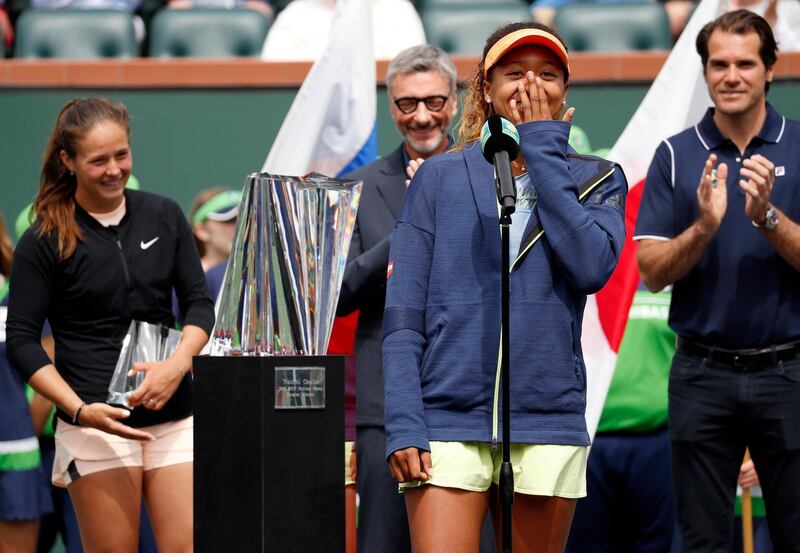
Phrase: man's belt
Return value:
(751, 357)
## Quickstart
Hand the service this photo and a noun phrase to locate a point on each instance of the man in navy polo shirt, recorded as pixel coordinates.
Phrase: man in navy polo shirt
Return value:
(731, 246)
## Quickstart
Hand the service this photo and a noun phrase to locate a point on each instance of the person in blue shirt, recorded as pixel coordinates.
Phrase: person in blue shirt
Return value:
(731, 246)
(441, 323)
(24, 496)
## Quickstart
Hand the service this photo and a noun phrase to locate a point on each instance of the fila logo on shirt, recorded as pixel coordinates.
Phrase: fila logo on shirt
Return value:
(780, 171)
(3, 315)
(389, 269)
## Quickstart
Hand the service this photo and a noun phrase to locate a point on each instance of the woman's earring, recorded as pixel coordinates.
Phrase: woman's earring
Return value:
(71, 173)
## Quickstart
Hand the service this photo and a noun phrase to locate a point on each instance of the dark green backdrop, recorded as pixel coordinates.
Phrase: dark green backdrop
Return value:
(187, 140)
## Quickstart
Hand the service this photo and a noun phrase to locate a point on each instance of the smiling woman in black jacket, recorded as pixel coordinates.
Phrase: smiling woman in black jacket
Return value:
(97, 257)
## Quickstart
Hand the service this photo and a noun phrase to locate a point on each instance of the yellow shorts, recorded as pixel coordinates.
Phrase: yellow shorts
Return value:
(81, 451)
(539, 469)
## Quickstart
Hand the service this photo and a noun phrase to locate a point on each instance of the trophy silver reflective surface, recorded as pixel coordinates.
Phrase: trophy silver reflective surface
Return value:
(286, 267)
(143, 343)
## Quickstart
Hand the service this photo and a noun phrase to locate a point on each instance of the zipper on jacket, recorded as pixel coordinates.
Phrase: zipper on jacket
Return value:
(525, 250)
(124, 262)
(498, 371)
(582, 193)
(496, 400)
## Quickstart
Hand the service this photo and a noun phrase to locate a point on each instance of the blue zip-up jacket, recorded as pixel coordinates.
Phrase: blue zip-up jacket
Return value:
(442, 319)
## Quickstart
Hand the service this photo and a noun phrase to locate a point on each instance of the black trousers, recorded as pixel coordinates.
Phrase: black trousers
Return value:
(628, 507)
(715, 412)
(382, 520)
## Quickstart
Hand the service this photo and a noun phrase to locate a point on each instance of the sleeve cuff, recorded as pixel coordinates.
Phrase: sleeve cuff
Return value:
(404, 440)
(198, 317)
(34, 359)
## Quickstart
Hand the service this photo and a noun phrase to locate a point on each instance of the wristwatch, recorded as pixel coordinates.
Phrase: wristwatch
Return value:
(770, 219)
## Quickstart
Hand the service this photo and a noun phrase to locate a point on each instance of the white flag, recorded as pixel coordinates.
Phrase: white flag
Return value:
(330, 127)
(677, 99)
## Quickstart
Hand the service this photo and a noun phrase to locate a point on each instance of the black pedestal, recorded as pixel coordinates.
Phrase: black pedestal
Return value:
(267, 479)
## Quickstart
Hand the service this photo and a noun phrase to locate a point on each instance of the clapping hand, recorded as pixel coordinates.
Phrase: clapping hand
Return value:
(413, 165)
(712, 194)
(758, 177)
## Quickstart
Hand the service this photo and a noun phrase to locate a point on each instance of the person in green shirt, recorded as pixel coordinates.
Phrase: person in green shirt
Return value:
(629, 506)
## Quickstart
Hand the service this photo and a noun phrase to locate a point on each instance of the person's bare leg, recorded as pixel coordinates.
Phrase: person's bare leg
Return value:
(107, 505)
(18, 536)
(444, 520)
(540, 523)
(169, 493)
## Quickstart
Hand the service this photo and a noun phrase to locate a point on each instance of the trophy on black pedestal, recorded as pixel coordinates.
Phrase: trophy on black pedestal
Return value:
(269, 404)
(282, 283)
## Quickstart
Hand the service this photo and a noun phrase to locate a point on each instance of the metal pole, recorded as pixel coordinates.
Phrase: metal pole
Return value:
(506, 483)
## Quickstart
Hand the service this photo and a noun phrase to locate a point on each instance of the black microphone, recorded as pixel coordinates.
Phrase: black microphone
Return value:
(500, 145)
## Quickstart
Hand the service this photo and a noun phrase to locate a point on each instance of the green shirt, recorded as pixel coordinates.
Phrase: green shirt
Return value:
(637, 398)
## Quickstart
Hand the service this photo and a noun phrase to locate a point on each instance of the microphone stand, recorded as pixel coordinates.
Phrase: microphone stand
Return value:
(506, 196)
(506, 483)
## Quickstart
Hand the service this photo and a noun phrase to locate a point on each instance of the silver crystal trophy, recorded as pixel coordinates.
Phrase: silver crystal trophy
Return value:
(286, 266)
(143, 343)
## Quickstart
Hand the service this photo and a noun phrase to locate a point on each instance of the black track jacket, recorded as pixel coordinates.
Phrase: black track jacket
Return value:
(116, 274)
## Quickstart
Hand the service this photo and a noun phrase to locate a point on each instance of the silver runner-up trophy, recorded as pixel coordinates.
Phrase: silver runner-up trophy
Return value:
(286, 266)
(143, 343)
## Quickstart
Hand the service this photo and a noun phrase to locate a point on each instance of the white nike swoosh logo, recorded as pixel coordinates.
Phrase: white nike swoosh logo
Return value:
(145, 245)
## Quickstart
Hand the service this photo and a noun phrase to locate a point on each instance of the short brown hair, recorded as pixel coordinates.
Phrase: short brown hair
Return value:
(740, 22)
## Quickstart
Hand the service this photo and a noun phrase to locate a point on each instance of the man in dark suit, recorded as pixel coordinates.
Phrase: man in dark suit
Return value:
(421, 86)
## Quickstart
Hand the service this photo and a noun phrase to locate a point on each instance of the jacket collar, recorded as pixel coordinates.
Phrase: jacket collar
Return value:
(481, 180)
(481, 176)
(392, 188)
(90, 222)
(589, 171)
(711, 137)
